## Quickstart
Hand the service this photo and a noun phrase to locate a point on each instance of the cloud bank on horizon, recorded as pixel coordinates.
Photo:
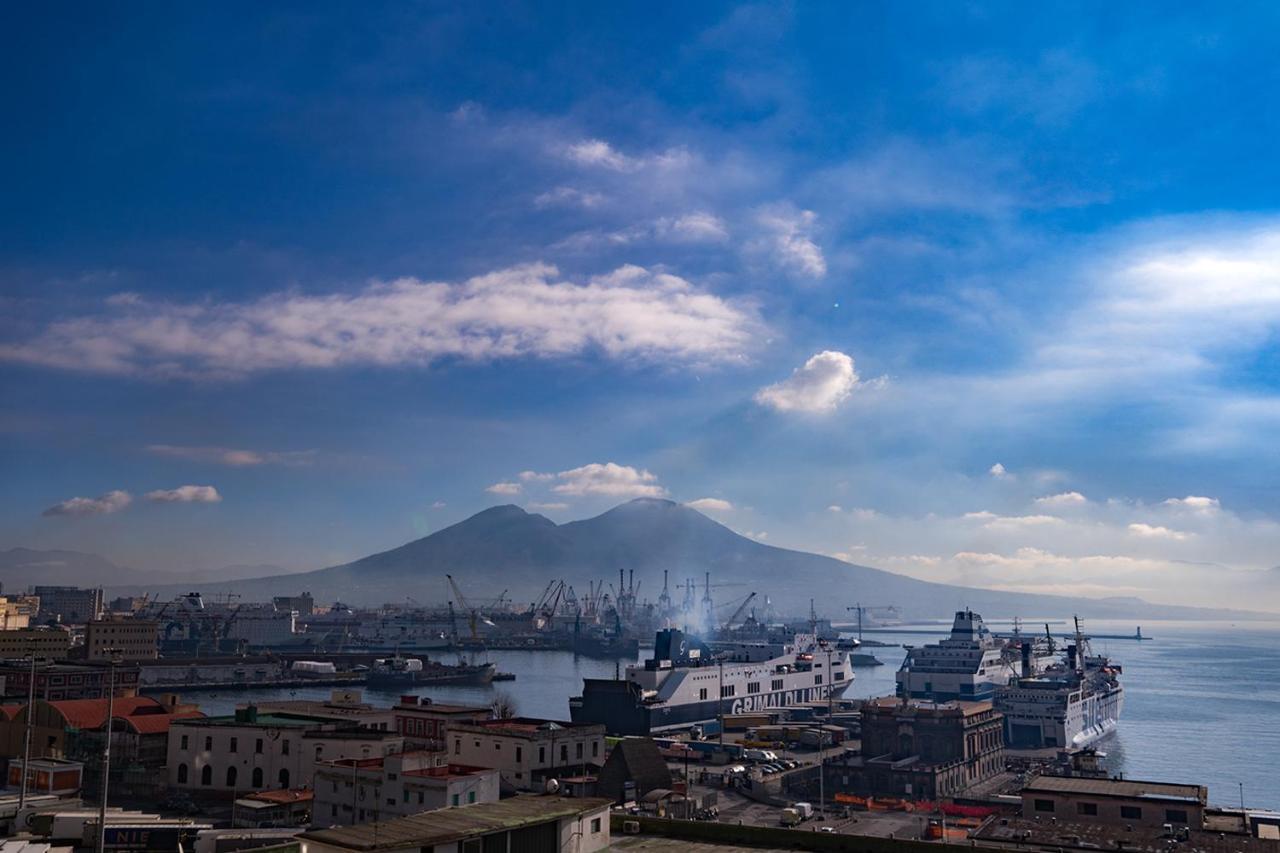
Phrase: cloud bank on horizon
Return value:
(940, 308)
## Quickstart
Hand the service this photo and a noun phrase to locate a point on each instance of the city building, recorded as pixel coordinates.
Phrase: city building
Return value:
(423, 720)
(279, 808)
(50, 776)
(255, 751)
(261, 626)
(122, 638)
(17, 613)
(923, 750)
(357, 790)
(1124, 802)
(60, 680)
(48, 643)
(529, 824)
(343, 706)
(528, 751)
(634, 768)
(71, 605)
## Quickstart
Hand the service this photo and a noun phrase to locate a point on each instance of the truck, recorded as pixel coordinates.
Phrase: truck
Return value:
(790, 817)
(805, 810)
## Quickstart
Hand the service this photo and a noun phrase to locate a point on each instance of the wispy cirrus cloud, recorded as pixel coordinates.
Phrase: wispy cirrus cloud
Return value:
(234, 457)
(522, 312)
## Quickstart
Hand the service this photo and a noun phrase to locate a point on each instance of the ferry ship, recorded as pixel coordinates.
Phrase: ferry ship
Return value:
(688, 681)
(1071, 703)
(969, 665)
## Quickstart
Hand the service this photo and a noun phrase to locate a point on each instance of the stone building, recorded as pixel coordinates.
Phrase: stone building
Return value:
(528, 751)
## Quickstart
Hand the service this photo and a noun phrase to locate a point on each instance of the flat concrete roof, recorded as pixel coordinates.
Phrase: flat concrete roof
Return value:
(1126, 788)
(445, 825)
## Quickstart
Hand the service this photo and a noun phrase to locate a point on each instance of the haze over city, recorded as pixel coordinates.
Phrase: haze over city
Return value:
(986, 296)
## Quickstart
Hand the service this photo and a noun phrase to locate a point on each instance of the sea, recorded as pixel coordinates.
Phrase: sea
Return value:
(1202, 699)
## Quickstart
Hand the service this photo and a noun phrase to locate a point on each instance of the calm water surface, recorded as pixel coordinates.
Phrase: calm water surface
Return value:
(1202, 700)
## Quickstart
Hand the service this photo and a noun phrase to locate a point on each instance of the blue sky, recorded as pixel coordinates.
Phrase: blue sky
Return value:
(981, 293)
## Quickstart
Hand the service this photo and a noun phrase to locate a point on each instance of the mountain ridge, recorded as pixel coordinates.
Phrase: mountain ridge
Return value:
(507, 547)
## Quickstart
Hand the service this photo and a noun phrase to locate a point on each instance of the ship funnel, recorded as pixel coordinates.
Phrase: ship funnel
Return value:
(1026, 660)
(1072, 652)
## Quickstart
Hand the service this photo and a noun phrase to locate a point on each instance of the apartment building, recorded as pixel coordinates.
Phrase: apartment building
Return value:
(351, 791)
(71, 605)
(425, 721)
(122, 638)
(47, 643)
(255, 751)
(528, 751)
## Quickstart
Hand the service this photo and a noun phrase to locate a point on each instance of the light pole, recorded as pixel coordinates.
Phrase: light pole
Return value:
(720, 701)
(26, 737)
(106, 748)
(822, 751)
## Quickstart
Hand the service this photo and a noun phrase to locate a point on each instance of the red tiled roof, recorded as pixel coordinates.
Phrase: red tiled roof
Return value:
(92, 713)
(151, 724)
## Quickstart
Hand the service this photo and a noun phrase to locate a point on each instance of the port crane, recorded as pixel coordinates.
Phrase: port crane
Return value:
(474, 616)
(737, 613)
(861, 610)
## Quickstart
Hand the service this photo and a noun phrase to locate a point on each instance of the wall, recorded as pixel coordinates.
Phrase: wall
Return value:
(709, 832)
(1154, 812)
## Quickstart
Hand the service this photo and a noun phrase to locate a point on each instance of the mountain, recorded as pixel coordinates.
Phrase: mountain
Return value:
(507, 548)
(24, 567)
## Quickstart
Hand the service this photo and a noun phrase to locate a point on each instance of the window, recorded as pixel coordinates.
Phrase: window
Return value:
(455, 799)
(726, 691)
(542, 755)
(257, 777)
(257, 747)
(817, 679)
(1043, 805)
(497, 745)
(421, 798)
(333, 810)
(753, 687)
(183, 745)
(578, 750)
(233, 745)
(284, 777)
(777, 684)
(1090, 809)
(208, 744)
(206, 775)
(284, 747)
(595, 749)
(471, 796)
(837, 676)
(595, 824)
(182, 774)
(231, 776)
(564, 752)
(519, 755)
(1131, 812)
(457, 747)
(391, 801)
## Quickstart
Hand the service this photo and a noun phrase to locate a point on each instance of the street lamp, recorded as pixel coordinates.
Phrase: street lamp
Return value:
(113, 658)
(26, 737)
(822, 752)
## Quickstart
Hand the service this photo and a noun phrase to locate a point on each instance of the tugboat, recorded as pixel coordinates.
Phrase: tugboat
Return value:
(414, 672)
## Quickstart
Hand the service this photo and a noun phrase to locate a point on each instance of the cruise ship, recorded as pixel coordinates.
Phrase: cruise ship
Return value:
(688, 682)
(1071, 703)
(969, 665)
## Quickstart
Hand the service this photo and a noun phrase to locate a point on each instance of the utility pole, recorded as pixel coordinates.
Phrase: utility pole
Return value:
(106, 748)
(26, 737)
(720, 701)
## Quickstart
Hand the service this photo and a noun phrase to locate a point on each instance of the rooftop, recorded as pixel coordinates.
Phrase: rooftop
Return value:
(448, 825)
(1129, 788)
(1095, 835)
(526, 725)
(283, 795)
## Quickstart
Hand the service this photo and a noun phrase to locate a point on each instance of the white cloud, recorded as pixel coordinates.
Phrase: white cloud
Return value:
(233, 457)
(609, 479)
(1155, 531)
(439, 505)
(824, 382)
(186, 495)
(994, 521)
(549, 507)
(711, 505)
(105, 504)
(1195, 503)
(598, 153)
(1063, 499)
(698, 227)
(999, 472)
(788, 240)
(569, 197)
(504, 489)
(535, 477)
(835, 508)
(631, 314)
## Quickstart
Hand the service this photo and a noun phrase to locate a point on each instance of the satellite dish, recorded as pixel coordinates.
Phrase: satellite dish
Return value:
(552, 786)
